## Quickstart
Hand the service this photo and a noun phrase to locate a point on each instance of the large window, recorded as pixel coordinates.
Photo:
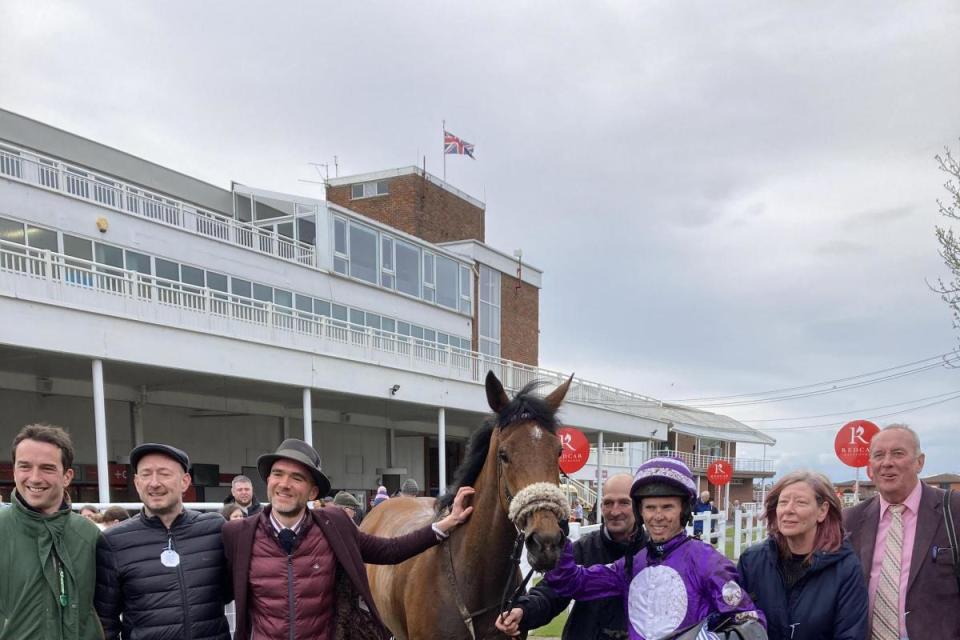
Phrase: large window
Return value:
(488, 321)
(363, 253)
(369, 189)
(448, 284)
(408, 268)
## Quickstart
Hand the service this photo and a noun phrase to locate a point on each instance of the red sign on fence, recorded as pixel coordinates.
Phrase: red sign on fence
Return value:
(852, 443)
(720, 472)
(574, 449)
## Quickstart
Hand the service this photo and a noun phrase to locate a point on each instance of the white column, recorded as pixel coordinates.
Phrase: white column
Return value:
(100, 426)
(763, 481)
(307, 417)
(442, 448)
(726, 494)
(599, 477)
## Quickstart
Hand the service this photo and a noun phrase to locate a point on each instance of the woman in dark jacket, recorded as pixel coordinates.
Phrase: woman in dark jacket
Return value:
(804, 577)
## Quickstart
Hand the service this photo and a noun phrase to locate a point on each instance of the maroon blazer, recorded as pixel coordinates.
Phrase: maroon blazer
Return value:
(933, 599)
(352, 549)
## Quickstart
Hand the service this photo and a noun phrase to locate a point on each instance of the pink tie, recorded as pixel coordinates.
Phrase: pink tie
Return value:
(886, 606)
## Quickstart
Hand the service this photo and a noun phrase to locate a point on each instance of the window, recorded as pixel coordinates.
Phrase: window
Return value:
(77, 247)
(240, 288)
(283, 298)
(429, 278)
(306, 230)
(321, 308)
(373, 321)
(340, 312)
(137, 262)
(448, 284)
(262, 293)
(110, 256)
(488, 312)
(340, 245)
(11, 231)
(165, 269)
(369, 189)
(363, 253)
(466, 284)
(192, 276)
(217, 281)
(357, 317)
(387, 273)
(390, 325)
(408, 268)
(39, 238)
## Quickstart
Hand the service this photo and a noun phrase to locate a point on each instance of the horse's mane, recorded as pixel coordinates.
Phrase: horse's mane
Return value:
(525, 407)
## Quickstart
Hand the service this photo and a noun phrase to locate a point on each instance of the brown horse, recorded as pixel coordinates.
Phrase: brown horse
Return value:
(453, 591)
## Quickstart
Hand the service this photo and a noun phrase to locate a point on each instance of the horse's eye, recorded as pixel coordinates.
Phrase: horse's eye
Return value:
(503, 456)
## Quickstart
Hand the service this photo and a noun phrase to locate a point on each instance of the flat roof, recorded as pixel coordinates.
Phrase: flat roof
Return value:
(405, 171)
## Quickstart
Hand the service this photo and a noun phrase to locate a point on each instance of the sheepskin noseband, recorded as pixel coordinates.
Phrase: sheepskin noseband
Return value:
(536, 497)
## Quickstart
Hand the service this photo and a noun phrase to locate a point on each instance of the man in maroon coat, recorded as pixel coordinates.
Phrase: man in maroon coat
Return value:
(300, 573)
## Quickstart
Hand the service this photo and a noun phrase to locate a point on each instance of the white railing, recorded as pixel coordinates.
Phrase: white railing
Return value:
(83, 184)
(71, 279)
(748, 528)
(611, 457)
(698, 462)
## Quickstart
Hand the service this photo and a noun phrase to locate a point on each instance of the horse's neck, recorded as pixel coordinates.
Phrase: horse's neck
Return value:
(481, 553)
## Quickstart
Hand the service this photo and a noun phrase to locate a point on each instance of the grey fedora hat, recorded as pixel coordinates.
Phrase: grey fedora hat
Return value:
(298, 451)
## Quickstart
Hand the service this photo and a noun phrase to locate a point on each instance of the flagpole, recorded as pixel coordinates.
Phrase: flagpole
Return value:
(444, 149)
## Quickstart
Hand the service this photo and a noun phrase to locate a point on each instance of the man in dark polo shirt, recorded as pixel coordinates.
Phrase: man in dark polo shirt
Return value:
(301, 573)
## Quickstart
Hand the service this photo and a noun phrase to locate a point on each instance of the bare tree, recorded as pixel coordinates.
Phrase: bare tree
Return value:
(949, 242)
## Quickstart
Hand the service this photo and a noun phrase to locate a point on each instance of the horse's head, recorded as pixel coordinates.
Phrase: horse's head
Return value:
(527, 450)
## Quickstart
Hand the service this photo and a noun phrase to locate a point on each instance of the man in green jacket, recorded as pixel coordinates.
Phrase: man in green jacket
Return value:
(48, 553)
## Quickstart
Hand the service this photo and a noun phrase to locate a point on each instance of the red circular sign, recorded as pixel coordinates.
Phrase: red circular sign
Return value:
(720, 472)
(852, 443)
(574, 449)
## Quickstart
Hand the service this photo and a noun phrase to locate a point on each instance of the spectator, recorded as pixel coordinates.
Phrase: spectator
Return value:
(804, 577)
(577, 511)
(241, 493)
(346, 501)
(162, 574)
(47, 557)
(232, 511)
(902, 541)
(589, 620)
(113, 515)
(410, 488)
(381, 495)
(704, 505)
(89, 512)
(300, 573)
(674, 584)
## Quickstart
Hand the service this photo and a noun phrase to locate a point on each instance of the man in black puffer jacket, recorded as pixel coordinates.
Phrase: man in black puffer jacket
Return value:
(597, 619)
(164, 570)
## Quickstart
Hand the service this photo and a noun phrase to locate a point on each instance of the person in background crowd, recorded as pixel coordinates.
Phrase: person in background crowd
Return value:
(589, 620)
(346, 501)
(381, 495)
(299, 573)
(410, 488)
(804, 577)
(47, 557)
(901, 537)
(113, 515)
(89, 512)
(241, 493)
(232, 512)
(162, 574)
(675, 584)
(577, 511)
(703, 505)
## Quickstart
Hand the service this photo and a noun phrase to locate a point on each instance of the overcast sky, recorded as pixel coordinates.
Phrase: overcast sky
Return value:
(726, 198)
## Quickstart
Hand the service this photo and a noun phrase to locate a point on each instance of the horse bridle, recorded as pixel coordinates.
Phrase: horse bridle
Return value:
(508, 598)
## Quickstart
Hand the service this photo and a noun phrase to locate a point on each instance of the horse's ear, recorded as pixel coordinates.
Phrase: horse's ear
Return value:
(496, 396)
(555, 399)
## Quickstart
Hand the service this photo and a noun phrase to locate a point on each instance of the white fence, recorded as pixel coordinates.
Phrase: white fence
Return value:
(748, 528)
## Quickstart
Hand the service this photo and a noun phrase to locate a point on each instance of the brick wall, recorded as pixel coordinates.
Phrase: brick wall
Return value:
(418, 207)
(519, 320)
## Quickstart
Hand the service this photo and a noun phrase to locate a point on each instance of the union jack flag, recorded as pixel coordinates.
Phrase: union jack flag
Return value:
(454, 145)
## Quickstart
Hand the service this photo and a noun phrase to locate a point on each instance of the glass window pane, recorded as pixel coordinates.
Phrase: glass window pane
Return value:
(465, 282)
(240, 287)
(408, 268)
(416, 332)
(283, 298)
(389, 324)
(285, 229)
(191, 275)
(105, 254)
(340, 265)
(321, 307)
(428, 294)
(340, 235)
(448, 287)
(386, 280)
(307, 230)
(262, 292)
(11, 231)
(138, 262)
(383, 188)
(403, 328)
(165, 269)
(363, 253)
(443, 338)
(340, 312)
(244, 211)
(427, 268)
(216, 281)
(386, 252)
(356, 316)
(356, 191)
(42, 238)
(429, 335)
(373, 320)
(303, 303)
(76, 247)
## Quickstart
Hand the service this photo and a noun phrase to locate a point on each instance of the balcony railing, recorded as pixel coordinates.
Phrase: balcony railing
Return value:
(699, 463)
(68, 280)
(104, 191)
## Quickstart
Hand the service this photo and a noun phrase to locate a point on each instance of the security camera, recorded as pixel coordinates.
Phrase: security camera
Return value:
(394, 389)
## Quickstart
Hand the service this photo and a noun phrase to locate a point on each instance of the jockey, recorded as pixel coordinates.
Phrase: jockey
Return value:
(675, 584)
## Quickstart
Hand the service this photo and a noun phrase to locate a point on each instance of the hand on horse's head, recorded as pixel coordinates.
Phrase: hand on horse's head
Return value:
(458, 512)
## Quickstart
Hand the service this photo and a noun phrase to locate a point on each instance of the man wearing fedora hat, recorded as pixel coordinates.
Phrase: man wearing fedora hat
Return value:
(300, 573)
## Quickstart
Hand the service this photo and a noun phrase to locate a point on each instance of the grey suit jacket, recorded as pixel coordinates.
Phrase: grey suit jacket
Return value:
(933, 599)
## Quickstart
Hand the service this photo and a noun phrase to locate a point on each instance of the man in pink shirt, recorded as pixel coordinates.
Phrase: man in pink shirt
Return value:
(902, 542)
